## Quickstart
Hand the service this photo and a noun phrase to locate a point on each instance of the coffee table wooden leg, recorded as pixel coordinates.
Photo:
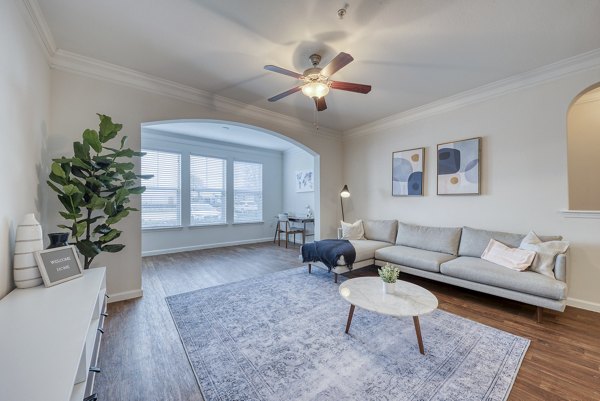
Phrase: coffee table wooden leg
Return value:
(418, 330)
(350, 314)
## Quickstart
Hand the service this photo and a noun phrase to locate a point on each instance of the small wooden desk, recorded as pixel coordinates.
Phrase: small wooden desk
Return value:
(304, 221)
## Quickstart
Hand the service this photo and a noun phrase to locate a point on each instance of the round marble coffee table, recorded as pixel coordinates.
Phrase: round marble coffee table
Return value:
(407, 300)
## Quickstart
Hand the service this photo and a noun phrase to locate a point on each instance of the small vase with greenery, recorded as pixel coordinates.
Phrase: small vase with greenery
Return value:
(94, 186)
(389, 274)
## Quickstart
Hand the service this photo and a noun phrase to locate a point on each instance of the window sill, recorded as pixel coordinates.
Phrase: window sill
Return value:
(580, 214)
(248, 222)
(194, 226)
(172, 228)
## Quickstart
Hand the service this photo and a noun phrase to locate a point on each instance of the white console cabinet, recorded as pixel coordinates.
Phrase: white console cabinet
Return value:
(49, 339)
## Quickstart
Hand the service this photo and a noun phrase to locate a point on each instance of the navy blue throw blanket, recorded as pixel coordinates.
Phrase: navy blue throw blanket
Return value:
(329, 252)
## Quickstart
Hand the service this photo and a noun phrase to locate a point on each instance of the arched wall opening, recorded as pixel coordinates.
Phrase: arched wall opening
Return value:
(209, 218)
(583, 150)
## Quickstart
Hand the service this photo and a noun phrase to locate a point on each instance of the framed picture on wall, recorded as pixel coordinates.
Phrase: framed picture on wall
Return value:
(305, 181)
(407, 172)
(459, 167)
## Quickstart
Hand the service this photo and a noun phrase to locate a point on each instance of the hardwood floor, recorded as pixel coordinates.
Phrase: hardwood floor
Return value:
(142, 357)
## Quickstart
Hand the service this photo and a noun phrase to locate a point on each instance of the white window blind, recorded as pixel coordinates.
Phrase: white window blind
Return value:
(208, 201)
(161, 202)
(247, 192)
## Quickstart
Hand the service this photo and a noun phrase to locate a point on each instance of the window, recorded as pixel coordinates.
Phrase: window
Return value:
(208, 202)
(247, 192)
(161, 203)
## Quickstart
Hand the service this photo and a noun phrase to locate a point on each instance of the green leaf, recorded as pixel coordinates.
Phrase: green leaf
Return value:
(80, 229)
(70, 190)
(102, 229)
(116, 218)
(81, 150)
(54, 187)
(58, 170)
(70, 216)
(123, 140)
(110, 209)
(112, 234)
(88, 248)
(137, 190)
(91, 138)
(122, 194)
(145, 176)
(96, 203)
(80, 163)
(113, 248)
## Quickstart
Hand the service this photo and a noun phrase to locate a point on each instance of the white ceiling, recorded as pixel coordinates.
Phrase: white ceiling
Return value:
(223, 132)
(411, 51)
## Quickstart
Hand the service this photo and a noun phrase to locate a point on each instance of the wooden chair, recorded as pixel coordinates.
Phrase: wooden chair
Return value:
(284, 227)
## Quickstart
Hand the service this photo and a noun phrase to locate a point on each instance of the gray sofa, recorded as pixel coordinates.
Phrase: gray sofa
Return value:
(452, 255)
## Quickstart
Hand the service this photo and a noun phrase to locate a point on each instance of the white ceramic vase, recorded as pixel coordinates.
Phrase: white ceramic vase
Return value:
(388, 288)
(28, 240)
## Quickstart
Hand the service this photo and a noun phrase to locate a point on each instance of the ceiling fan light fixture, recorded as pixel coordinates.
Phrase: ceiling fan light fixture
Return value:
(315, 89)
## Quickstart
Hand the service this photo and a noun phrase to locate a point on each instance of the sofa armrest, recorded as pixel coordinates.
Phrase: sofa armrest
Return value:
(560, 267)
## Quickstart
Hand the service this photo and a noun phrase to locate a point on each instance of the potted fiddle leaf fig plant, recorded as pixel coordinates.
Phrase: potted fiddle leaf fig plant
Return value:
(389, 274)
(94, 187)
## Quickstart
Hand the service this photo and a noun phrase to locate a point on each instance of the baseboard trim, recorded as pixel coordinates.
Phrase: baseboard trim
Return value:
(581, 304)
(204, 246)
(122, 296)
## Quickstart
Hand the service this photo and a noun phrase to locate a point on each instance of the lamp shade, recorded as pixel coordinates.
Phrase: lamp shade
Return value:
(345, 192)
(315, 89)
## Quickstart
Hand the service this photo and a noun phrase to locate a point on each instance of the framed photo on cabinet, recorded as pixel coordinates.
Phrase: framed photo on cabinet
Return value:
(58, 265)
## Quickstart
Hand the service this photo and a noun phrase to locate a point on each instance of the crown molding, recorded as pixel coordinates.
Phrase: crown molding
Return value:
(40, 27)
(528, 79)
(97, 69)
(74, 63)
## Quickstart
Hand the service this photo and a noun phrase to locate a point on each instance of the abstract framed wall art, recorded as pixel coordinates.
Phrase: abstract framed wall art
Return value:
(305, 181)
(459, 167)
(407, 172)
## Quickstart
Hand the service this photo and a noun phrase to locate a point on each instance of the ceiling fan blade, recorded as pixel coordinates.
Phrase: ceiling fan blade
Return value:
(283, 71)
(350, 87)
(339, 62)
(284, 94)
(320, 103)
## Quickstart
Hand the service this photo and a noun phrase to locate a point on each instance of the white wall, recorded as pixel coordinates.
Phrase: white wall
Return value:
(524, 172)
(24, 95)
(584, 152)
(295, 203)
(75, 98)
(159, 241)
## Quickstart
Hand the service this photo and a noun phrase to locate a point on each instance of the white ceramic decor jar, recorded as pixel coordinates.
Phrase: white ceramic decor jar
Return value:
(28, 241)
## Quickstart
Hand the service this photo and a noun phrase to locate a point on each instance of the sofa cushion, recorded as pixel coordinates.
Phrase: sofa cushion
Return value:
(484, 272)
(436, 239)
(381, 230)
(474, 241)
(352, 230)
(413, 257)
(365, 249)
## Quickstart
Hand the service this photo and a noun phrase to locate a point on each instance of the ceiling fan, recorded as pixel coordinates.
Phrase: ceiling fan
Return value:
(316, 81)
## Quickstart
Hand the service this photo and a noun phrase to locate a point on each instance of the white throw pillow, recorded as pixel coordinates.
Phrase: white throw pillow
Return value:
(545, 253)
(513, 258)
(353, 230)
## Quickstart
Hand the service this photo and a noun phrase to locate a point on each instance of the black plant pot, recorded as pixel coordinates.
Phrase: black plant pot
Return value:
(58, 239)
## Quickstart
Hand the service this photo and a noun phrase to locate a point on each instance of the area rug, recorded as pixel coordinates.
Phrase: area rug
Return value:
(281, 337)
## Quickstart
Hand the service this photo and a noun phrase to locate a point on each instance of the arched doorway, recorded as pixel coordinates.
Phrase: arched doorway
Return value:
(583, 136)
(216, 201)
